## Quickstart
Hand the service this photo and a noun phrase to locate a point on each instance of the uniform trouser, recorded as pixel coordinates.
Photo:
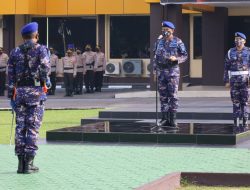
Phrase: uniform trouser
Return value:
(89, 79)
(68, 82)
(2, 82)
(239, 97)
(168, 88)
(78, 82)
(29, 113)
(53, 82)
(98, 79)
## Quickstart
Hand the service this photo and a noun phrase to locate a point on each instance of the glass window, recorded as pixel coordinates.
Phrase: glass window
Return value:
(129, 37)
(42, 22)
(63, 31)
(197, 54)
(76, 31)
(238, 24)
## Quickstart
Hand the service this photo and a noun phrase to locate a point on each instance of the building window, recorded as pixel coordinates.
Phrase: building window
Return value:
(238, 24)
(68, 30)
(129, 37)
(197, 53)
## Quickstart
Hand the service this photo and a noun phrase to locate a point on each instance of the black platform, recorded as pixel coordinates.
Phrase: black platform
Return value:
(152, 115)
(139, 131)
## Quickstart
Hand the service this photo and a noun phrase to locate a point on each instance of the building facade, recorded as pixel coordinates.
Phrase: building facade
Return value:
(127, 30)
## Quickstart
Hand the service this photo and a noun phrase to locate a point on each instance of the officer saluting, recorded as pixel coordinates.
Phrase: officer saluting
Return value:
(52, 74)
(28, 69)
(100, 64)
(169, 53)
(3, 65)
(236, 76)
(69, 70)
(89, 68)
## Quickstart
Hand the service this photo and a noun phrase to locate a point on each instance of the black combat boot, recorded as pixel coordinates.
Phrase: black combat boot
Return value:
(172, 119)
(236, 128)
(20, 164)
(244, 124)
(28, 165)
(165, 119)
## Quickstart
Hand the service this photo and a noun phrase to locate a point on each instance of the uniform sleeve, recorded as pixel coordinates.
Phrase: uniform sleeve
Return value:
(45, 63)
(95, 61)
(75, 66)
(62, 65)
(182, 57)
(11, 74)
(84, 62)
(104, 62)
(226, 68)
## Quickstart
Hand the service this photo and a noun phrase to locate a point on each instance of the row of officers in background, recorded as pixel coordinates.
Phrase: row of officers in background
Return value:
(78, 67)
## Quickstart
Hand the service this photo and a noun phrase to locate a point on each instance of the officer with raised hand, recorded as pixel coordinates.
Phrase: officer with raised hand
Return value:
(169, 53)
(236, 77)
(28, 69)
(3, 69)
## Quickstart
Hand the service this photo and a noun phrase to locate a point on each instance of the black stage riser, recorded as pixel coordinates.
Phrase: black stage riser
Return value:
(152, 115)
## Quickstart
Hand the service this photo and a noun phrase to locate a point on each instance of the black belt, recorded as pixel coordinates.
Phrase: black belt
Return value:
(167, 64)
(80, 67)
(68, 68)
(25, 82)
(3, 67)
(100, 66)
(53, 66)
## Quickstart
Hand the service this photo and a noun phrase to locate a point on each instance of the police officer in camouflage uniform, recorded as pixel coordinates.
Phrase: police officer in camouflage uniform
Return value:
(236, 76)
(28, 69)
(169, 53)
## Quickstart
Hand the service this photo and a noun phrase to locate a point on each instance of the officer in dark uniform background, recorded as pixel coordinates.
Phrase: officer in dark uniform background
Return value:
(236, 76)
(28, 69)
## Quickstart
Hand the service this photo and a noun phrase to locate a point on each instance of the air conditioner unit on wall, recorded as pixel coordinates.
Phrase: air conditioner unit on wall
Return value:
(148, 67)
(132, 66)
(112, 69)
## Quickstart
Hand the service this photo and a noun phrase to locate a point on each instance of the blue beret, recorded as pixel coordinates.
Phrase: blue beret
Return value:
(29, 28)
(71, 46)
(168, 24)
(241, 35)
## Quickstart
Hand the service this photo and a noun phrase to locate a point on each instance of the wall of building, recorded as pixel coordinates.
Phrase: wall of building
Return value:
(1, 31)
(74, 7)
(19, 22)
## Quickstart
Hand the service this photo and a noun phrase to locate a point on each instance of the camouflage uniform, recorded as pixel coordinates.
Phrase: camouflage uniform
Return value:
(236, 73)
(168, 72)
(28, 68)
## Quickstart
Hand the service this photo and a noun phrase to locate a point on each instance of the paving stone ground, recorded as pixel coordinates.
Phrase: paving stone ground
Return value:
(114, 167)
